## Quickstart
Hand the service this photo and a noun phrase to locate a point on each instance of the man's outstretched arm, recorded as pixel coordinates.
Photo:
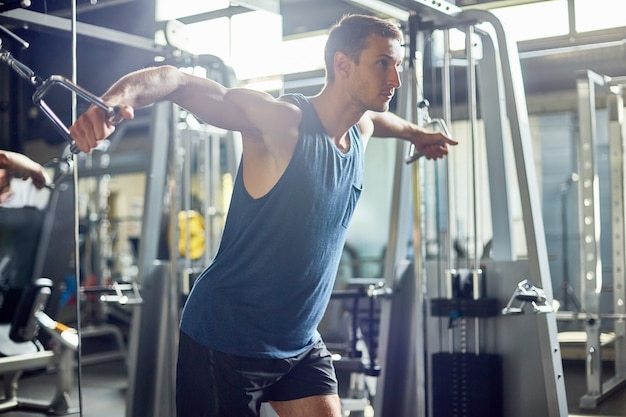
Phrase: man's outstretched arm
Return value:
(432, 144)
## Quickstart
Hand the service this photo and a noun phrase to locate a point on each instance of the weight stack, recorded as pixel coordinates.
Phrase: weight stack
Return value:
(467, 385)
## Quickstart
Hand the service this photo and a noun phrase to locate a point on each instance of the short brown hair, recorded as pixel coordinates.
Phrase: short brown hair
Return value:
(350, 35)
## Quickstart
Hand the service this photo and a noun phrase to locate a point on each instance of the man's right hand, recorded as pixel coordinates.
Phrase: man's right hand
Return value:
(93, 126)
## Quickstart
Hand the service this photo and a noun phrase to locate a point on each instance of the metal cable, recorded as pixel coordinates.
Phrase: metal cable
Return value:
(76, 222)
(473, 117)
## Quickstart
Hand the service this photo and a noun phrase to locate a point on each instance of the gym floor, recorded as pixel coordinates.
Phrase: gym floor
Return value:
(104, 391)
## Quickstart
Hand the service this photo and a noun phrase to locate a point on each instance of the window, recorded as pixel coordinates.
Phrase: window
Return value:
(535, 20)
(599, 14)
(210, 37)
(256, 44)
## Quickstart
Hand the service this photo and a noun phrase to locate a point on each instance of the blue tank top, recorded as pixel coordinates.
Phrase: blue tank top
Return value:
(270, 282)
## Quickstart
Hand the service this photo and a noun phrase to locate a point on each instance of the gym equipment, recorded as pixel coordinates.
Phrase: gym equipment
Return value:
(437, 125)
(191, 242)
(28, 319)
(412, 339)
(44, 86)
(593, 89)
(526, 292)
(354, 342)
(120, 293)
(29, 316)
(466, 384)
(13, 4)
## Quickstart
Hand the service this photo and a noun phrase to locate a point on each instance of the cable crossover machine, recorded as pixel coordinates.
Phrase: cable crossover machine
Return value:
(468, 328)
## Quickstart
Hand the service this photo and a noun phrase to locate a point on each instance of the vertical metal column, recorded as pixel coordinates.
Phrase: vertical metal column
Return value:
(5, 113)
(491, 91)
(589, 206)
(146, 395)
(597, 389)
(400, 385)
(473, 120)
(214, 177)
(617, 139)
(589, 202)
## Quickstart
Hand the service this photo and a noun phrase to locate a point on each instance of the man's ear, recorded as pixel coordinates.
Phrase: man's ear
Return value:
(343, 64)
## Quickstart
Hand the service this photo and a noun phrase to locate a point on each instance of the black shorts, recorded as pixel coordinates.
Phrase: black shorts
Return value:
(216, 384)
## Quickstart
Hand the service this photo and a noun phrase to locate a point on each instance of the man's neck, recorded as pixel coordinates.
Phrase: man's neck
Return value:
(337, 114)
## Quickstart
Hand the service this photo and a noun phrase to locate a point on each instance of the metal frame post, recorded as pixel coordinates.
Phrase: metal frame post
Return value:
(402, 313)
(589, 224)
(617, 139)
(515, 102)
(148, 253)
(589, 84)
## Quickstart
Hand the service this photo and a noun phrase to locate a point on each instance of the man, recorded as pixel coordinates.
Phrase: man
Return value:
(16, 165)
(248, 330)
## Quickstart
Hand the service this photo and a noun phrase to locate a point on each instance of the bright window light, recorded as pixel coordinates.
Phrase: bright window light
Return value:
(251, 43)
(599, 14)
(256, 44)
(174, 9)
(304, 54)
(210, 37)
(535, 20)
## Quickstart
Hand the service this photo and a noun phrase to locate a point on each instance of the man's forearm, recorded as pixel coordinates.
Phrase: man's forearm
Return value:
(389, 125)
(144, 87)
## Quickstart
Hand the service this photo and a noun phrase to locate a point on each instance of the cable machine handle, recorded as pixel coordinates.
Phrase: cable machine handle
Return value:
(438, 125)
(112, 113)
(434, 124)
(43, 87)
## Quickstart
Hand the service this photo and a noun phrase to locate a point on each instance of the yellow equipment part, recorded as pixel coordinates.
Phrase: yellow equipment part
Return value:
(191, 229)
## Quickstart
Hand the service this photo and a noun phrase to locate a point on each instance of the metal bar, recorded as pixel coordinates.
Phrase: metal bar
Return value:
(189, 159)
(214, 211)
(211, 178)
(473, 120)
(429, 8)
(491, 91)
(418, 244)
(397, 273)
(593, 360)
(618, 82)
(150, 235)
(589, 223)
(617, 137)
(589, 200)
(446, 198)
(447, 165)
(21, 16)
(241, 6)
(571, 14)
(573, 316)
(92, 6)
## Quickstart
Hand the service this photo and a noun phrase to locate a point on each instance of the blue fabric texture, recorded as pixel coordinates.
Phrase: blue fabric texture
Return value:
(270, 282)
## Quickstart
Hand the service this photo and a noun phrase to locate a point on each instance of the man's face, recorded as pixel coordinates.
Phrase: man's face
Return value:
(376, 76)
